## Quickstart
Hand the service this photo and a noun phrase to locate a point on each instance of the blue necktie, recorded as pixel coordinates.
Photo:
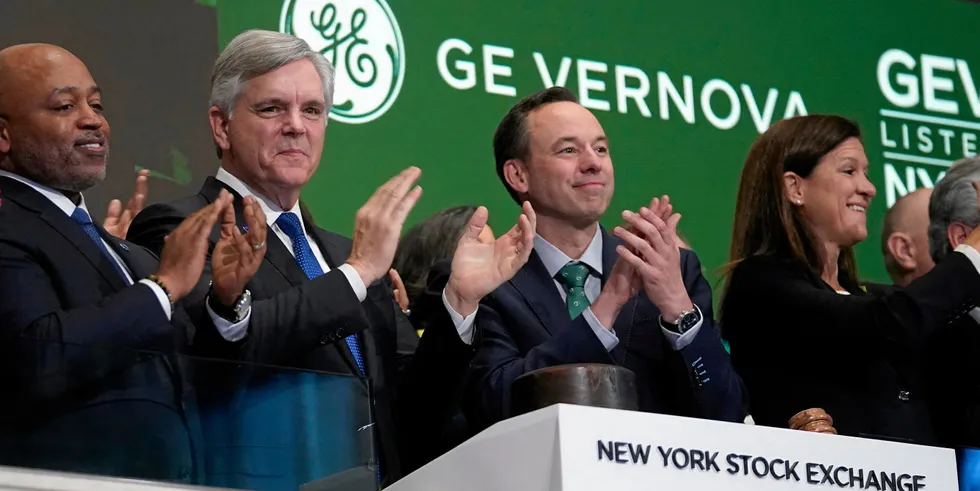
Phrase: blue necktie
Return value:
(289, 223)
(82, 218)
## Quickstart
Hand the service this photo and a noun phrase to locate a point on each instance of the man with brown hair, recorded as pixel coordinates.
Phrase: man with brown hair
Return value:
(631, 298)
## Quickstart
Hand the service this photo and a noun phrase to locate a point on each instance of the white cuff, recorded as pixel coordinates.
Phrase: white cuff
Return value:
(161, 296)
(356, 283)
(228, 330)
(680, 341)
(464, 326)
(607, 337)
(971, 253)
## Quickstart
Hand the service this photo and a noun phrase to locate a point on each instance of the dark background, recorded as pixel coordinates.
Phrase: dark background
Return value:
(152, 59)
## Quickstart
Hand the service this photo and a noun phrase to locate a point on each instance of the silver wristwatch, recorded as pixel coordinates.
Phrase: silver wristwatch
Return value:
(234, 313)
(685, 321)
(241, 306)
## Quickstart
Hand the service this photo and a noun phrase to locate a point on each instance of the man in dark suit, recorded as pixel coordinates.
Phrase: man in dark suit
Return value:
(953, 356)
(322, 301)
(633, 298)
(87, 319)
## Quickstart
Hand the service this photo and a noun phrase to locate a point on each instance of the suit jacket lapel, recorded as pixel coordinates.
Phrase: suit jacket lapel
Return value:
(134, 261)
(276, 253)
(335, 254)
(541, 294)
(64, 225)
(279, 257)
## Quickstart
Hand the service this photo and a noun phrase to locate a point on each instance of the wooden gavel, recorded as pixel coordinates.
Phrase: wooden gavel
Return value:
(814, 419)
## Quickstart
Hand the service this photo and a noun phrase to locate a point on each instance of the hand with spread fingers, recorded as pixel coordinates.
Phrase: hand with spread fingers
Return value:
(651, 248)
(478, 268)
(237, 256)
(185, 250)
(117, 218)
(378, 225)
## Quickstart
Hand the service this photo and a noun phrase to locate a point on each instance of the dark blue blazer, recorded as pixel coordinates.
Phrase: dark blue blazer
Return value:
(84, 382)
(526, 326)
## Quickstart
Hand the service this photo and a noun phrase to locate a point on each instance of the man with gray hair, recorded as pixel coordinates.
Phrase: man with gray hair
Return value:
(954, 355)
(319, 300)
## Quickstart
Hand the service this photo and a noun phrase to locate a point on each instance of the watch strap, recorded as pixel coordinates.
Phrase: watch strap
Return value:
(231, 313)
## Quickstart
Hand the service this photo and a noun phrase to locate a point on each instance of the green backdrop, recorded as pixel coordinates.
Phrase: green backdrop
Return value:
(907, 70)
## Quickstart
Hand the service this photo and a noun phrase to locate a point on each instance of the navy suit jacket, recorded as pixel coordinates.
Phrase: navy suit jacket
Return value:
(84, 385)
(526, 326)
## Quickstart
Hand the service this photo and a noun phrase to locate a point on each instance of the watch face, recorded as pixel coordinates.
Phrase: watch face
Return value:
(689, 321)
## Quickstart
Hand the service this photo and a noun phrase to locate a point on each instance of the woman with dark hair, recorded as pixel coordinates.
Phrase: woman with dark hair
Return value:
(803, 333)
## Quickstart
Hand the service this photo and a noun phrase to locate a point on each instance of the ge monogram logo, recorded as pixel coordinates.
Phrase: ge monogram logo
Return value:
(362, 40)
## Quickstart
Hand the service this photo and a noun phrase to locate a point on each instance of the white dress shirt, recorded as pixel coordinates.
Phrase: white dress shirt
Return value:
(66, 205)
(554, 259)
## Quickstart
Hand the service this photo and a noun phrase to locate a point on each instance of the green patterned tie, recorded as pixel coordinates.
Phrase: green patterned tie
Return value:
(572, 276)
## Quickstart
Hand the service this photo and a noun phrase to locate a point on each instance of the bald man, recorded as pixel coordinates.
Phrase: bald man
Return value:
(904, 240)
(76, 303)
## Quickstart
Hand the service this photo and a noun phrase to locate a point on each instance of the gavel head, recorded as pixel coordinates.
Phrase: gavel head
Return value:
(814, 419)
(594, 385)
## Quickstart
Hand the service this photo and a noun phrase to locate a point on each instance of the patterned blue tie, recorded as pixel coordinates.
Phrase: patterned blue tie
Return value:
(82, 218)
(289, 223)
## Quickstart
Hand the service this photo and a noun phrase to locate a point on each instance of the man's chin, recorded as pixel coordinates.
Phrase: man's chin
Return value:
(80, 183)
(296, 176)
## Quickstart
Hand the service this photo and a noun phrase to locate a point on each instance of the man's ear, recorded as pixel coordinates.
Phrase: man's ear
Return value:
(902, 249)
(219, 128)
(4, 137)
(957, 233)
(793, 188)
(515, 173)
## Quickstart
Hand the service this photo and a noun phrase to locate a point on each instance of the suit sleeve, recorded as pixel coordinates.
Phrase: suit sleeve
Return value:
(907, 317)
(68, 347)
(499, 362)
(283, 326)
(707, 373)
(431, 386)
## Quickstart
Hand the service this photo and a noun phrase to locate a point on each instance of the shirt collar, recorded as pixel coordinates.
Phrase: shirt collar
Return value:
(269, 207)
(554, 259)
(975, 314)
(58, 199)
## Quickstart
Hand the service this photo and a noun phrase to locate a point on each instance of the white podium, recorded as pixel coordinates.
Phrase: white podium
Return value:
(577, 448)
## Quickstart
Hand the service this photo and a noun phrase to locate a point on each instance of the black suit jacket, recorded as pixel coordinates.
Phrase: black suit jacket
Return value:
(798, 344)
(526, 326)
(302, 323)
(82, 387)
(953, 362)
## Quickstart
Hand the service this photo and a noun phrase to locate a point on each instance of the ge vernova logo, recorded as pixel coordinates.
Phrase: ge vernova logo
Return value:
(362, 40)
